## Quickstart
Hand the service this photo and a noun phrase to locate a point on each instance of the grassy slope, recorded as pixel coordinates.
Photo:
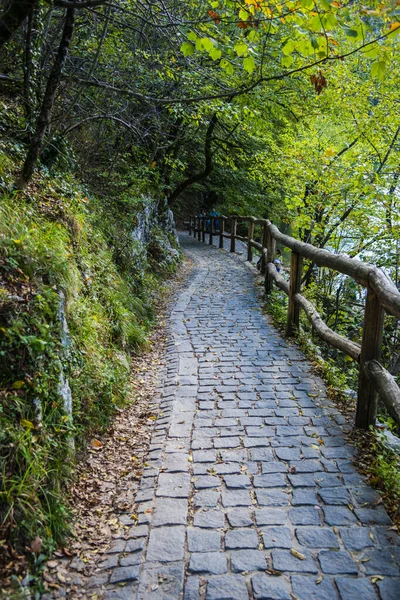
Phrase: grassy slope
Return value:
(55, 240)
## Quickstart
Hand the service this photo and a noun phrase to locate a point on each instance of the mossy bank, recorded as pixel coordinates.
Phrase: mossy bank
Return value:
(79, 276)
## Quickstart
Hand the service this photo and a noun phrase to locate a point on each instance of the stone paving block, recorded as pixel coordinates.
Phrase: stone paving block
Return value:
(373, 516)
(317, 537)
(283, 560)
(191, 591)
(306, 588)
(208, 481)
(166, 544)
(273, 467)
(304, 496)
(337, 562)
(237, 481)
(269, 481)
(240, 539)
(248, 560)
(380, 562)
(239, 517)
(389, 589)
(161, 582)
(273, 497)
(357, 538)
(335, 495)
(276, 537)
(204, 456)
(270, 516)
(305, 466)
(126, 592)
(206, 498)
(236, 498)
(173, 485)
(235, 455)
(121, 574)
(227, 587)
(209, 519)
(338, 515)
(266, 587)
(306, 515)
(261, 454)
(214, 563)
(351, 589)
(288, 453)
(203, 540)
(327, 480)
(170, 511)
(135, 545)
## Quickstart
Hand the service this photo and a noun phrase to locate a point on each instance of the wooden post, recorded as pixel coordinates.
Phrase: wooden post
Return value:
(190, 225)
(370, 350)
(296, 268)
(250, 235)
(200, 221)
(233, 234)
(221, 231)
(203, 230)
(264, 245)
(271, 245)
(210, 241)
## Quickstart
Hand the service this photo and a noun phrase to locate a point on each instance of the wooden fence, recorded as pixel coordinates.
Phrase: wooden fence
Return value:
(382, 295)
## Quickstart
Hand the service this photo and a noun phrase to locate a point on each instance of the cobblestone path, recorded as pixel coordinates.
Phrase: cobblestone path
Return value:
(249, 489)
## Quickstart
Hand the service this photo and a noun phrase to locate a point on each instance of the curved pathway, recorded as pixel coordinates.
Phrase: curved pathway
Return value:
(249, 489)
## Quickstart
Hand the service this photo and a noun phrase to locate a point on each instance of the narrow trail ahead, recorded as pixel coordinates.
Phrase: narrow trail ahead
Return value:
(250, 490)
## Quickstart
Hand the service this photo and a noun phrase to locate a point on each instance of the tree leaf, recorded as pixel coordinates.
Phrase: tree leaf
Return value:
(249, 64)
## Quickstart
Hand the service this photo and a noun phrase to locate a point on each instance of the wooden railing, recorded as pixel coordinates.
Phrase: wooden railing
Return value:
(382, 295)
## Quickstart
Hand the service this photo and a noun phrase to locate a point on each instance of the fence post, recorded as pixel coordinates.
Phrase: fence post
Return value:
(250, 234)
(233, 234)
(199, 220)
(221, 231)
(264, 245)
(190, 225)
(210, 241)
(296, 268)
(203, 230)
(370, 349)
(271, 245)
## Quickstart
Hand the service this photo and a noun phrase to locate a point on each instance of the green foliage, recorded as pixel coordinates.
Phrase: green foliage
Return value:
(55, 246)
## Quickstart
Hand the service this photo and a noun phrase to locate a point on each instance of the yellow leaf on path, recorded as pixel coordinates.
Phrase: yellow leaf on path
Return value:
(297, 554)
(134, 517)
(315, 446)
(96, 444)
(17, 385)
(319, 580)
(371, 535)
(376, 578)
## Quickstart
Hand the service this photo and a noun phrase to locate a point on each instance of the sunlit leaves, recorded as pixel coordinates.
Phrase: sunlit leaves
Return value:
(187, 49)
(249, 64)
(378, 69)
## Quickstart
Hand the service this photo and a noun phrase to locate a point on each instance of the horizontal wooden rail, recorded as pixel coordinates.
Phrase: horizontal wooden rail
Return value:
(382, 295)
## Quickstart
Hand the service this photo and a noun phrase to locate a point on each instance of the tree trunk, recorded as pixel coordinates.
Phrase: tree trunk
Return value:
(13, 17)
(48, 102)
(208, 163)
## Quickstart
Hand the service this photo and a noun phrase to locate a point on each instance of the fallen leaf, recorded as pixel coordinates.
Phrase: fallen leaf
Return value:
(96, 444)
(297, 554)
(36, 545)
(376, 578)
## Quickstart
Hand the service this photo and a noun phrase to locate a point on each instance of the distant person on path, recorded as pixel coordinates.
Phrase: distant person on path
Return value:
(278, 260)
(213, 213)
